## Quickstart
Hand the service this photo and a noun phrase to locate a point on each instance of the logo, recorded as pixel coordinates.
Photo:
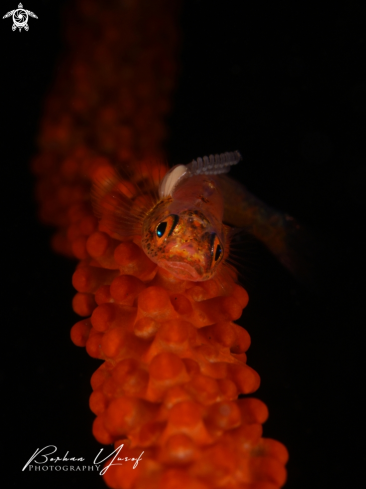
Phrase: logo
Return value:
(20, 17)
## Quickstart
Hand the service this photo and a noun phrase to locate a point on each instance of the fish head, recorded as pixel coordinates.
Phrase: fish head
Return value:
(187, 243)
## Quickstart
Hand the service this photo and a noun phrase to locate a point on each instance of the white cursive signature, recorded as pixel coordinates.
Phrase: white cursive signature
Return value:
(42, 456)
(123, 459)
(46, 457)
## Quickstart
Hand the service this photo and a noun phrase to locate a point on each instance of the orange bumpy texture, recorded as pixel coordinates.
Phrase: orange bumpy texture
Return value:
(174, 360)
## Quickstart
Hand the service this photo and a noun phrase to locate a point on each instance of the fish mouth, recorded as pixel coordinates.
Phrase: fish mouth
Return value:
(181, 270)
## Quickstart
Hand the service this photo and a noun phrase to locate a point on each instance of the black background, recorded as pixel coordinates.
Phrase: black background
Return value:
(284, 85)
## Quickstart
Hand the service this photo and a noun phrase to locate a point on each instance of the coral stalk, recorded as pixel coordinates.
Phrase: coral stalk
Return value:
(174, 359)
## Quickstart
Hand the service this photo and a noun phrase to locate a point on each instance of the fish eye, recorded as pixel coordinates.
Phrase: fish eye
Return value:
(216, 250)
(161, 228)
(166, 227)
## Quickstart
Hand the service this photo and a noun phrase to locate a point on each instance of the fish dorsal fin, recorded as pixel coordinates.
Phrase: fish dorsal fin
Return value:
(214, 164)
(208, 165)
(171, 179)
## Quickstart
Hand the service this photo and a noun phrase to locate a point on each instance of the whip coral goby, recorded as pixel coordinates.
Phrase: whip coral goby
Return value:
(174, 360)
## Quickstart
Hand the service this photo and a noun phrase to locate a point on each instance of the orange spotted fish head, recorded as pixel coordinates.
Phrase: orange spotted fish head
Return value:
(184, 233)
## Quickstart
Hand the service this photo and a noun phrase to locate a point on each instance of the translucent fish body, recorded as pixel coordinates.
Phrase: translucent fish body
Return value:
(184, 221)
(291, 243)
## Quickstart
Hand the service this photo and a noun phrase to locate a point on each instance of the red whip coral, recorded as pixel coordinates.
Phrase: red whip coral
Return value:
(174, 360)
(174, 366)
